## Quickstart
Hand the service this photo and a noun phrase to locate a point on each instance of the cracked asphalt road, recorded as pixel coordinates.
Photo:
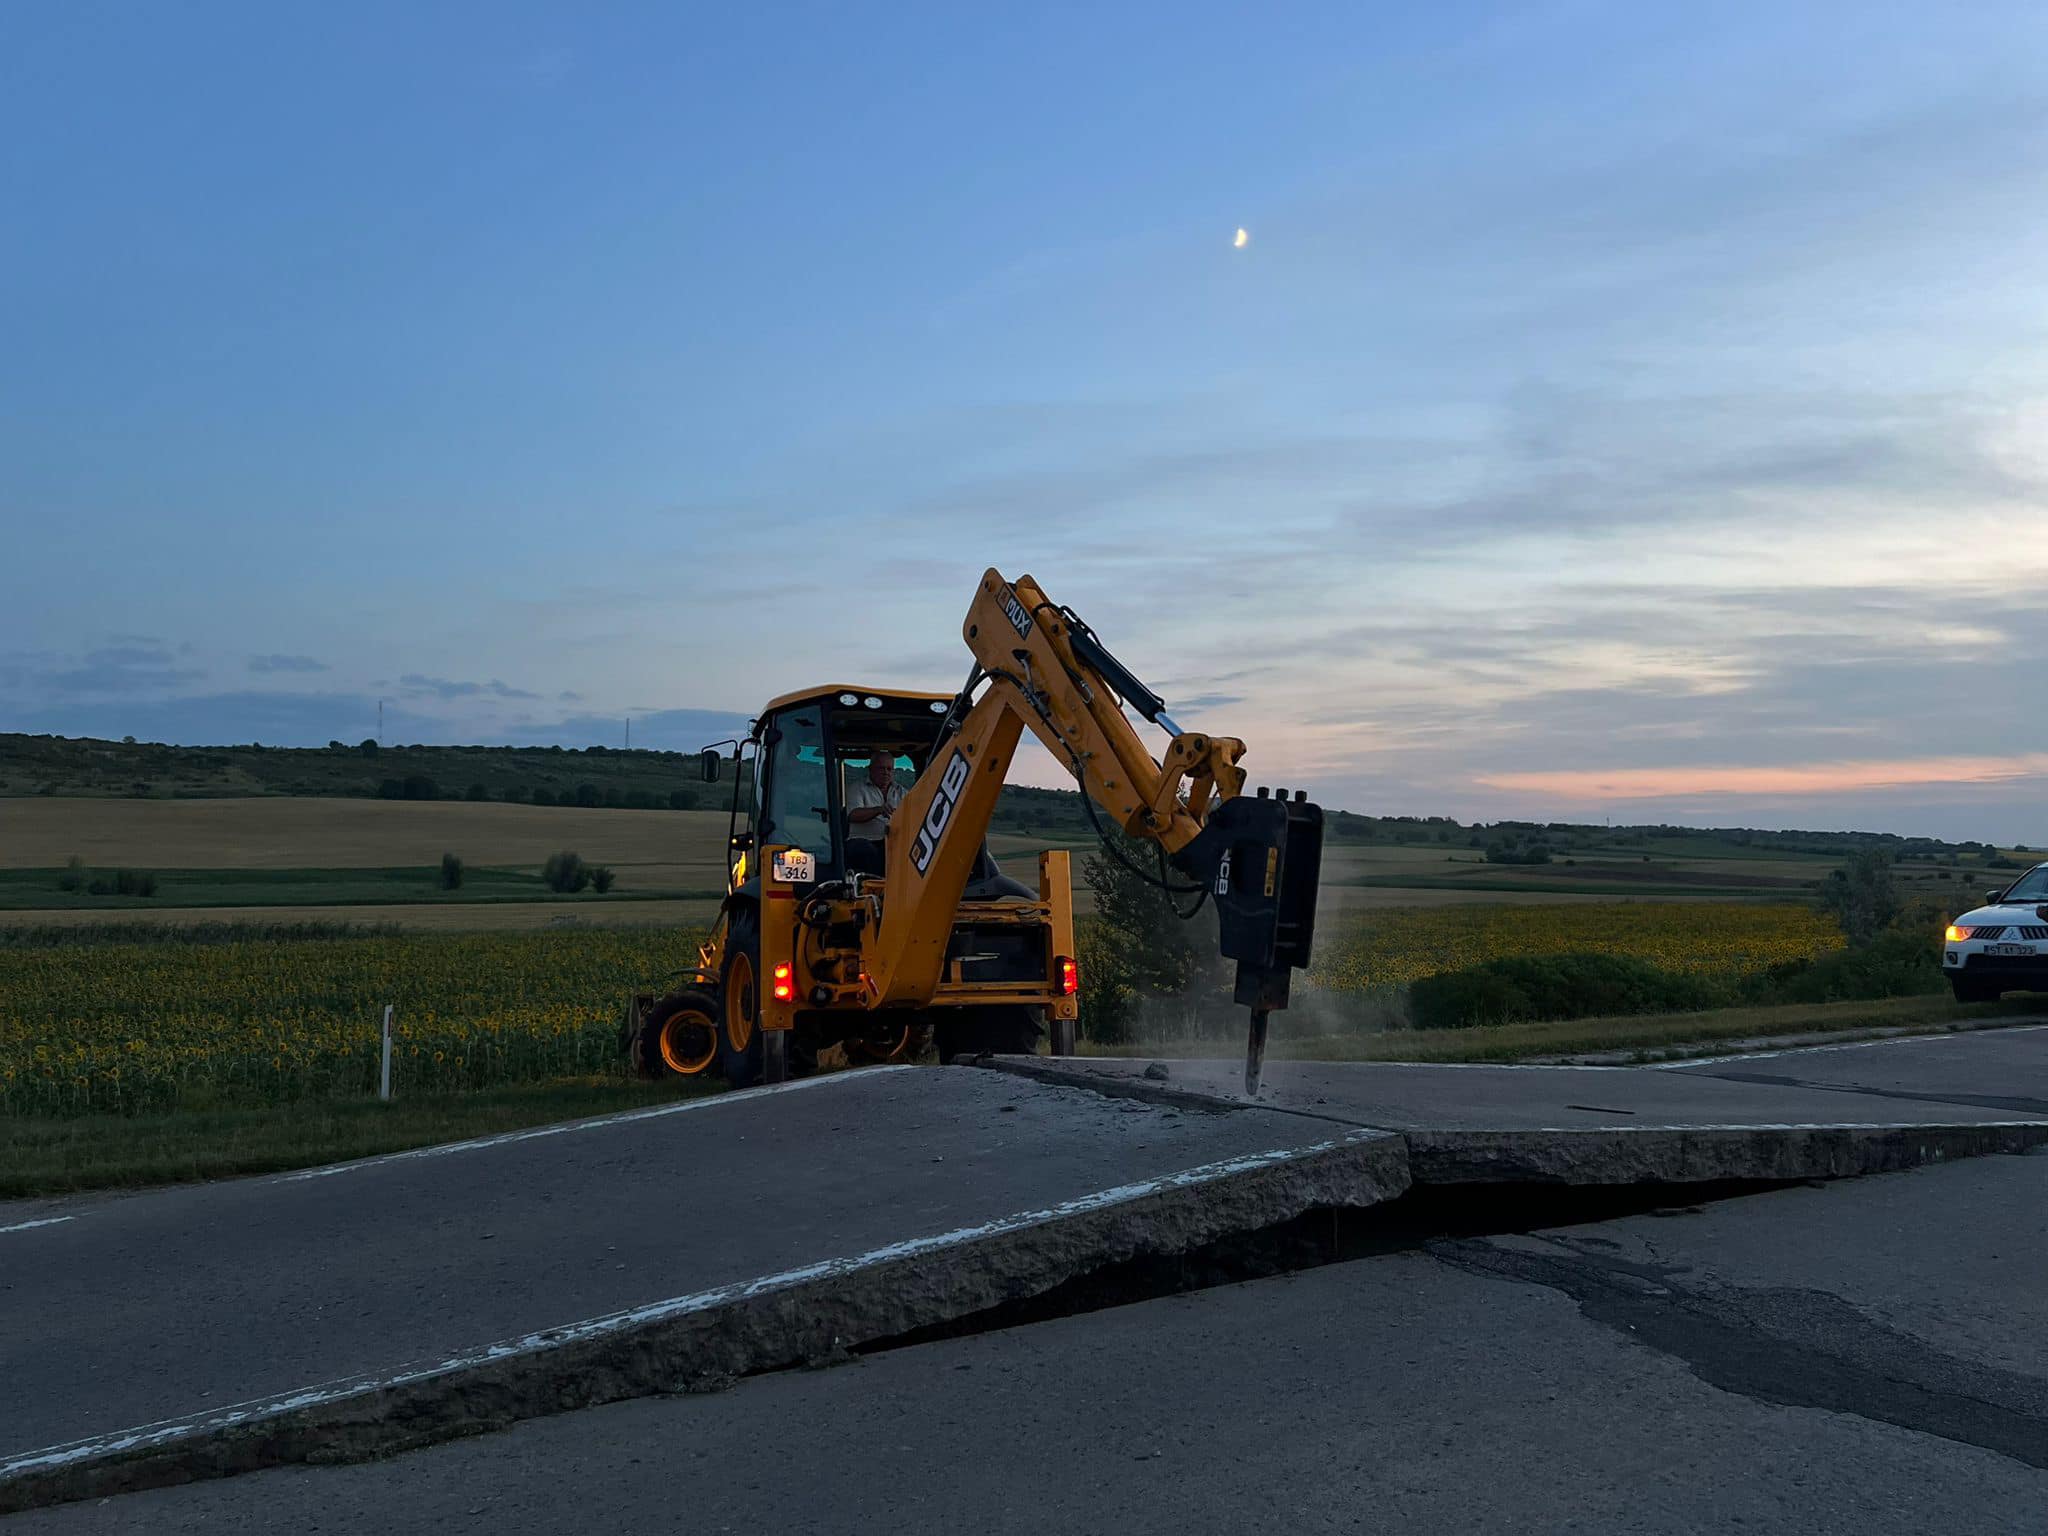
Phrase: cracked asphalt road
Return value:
(1860, 1357)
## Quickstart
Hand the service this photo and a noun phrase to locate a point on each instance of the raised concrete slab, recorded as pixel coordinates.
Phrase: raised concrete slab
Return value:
(1801, 1087)
(1749, 1118)
(360, 1308)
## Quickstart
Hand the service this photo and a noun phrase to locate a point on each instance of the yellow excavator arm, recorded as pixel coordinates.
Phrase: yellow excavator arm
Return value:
(1037, 666)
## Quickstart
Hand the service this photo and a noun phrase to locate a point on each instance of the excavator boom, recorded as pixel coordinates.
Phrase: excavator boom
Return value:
(1037, 666)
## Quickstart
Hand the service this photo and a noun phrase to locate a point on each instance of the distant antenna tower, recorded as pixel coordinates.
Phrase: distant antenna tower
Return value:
(629, 733)
(380, 722)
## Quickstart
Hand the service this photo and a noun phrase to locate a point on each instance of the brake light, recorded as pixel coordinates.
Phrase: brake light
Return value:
(783, 986)
(1070, 976)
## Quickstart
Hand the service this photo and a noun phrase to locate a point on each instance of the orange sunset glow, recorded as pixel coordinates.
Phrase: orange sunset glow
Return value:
(1790, 779)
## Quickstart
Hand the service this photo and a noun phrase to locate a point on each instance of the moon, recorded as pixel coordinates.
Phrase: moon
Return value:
(1244, 238)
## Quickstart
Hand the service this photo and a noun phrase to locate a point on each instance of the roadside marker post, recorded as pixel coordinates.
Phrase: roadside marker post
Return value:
(384, 1079)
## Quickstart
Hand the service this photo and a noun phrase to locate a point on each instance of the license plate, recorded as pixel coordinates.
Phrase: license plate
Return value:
(795, 867)
(2008, 949)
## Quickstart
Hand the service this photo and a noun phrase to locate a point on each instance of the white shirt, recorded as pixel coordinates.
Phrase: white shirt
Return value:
(864, 792)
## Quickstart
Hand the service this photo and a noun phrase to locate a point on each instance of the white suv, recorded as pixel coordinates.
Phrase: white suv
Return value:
(2002, 946)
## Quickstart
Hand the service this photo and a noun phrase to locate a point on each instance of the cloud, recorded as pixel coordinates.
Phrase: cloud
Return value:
(1808, 779)
(445, 688)
(133, 666)
(280, 663)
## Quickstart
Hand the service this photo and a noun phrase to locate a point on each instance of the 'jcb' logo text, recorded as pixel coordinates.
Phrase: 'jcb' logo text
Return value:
(934, 825)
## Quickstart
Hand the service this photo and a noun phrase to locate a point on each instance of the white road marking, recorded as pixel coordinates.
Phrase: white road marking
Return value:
(46, 1221)
(571, 1127)
(150, 1436)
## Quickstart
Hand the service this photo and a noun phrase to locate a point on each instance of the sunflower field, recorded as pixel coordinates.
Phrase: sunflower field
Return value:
(147, 1026)
(1379, 950)
(126, 1024)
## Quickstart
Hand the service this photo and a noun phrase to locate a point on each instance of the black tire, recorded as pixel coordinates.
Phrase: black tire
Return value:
(678, 1035)
(1968, 990)
(739, 985)
(1009, 1030)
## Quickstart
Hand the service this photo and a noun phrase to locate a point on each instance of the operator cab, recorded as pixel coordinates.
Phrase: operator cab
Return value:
(810, 748)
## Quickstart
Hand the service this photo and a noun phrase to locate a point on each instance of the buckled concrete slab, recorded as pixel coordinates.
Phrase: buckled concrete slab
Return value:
(1829, 1113)
(363, 1308)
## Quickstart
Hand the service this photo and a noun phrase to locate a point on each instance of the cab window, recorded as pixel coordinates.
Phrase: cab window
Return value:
(799, 804)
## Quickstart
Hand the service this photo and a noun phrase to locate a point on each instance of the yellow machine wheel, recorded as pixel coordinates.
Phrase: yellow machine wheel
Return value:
(689, 1041)
(741, 1052)
(884, 1045)
(903, 1037)
(678, 1036)
(742, 1004)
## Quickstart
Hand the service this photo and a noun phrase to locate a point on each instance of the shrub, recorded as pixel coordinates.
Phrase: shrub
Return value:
(1145, 950)
(587, 796)
(1861, 897)
(419, 787)
(368, 746)
(477, 792)
(679, 799)
(451, 872)
(565, 872)
(542, 795)
(73, 878)
(124, 882)
(391, 789)
(1901, 963)
(601, 878)
(1567, 986)
(1109, 1006)
(1510, 850)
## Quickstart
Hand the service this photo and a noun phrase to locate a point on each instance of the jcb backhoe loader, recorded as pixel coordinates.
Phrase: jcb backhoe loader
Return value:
(885, 945)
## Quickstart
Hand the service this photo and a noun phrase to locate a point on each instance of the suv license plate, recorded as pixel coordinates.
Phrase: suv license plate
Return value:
(2008, 949)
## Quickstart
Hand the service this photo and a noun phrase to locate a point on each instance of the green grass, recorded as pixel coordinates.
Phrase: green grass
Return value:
(63, 1156)
(1645, 1032)
(38, 889)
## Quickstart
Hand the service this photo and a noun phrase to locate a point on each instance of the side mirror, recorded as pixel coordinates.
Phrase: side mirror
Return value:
(1993, 898)
(707, 764)
(743, 842)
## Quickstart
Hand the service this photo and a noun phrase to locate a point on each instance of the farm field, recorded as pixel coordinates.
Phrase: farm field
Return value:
(1378, 951)
(114, 1025)
(418, 916)
(188, 1022)
(280, 832)
(376, 861)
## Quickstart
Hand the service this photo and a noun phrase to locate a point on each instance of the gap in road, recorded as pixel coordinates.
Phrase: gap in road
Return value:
(1424, 1215)
(1796, 1348)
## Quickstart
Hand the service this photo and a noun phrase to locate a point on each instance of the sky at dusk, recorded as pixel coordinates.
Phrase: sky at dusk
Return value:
(1615, 410)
